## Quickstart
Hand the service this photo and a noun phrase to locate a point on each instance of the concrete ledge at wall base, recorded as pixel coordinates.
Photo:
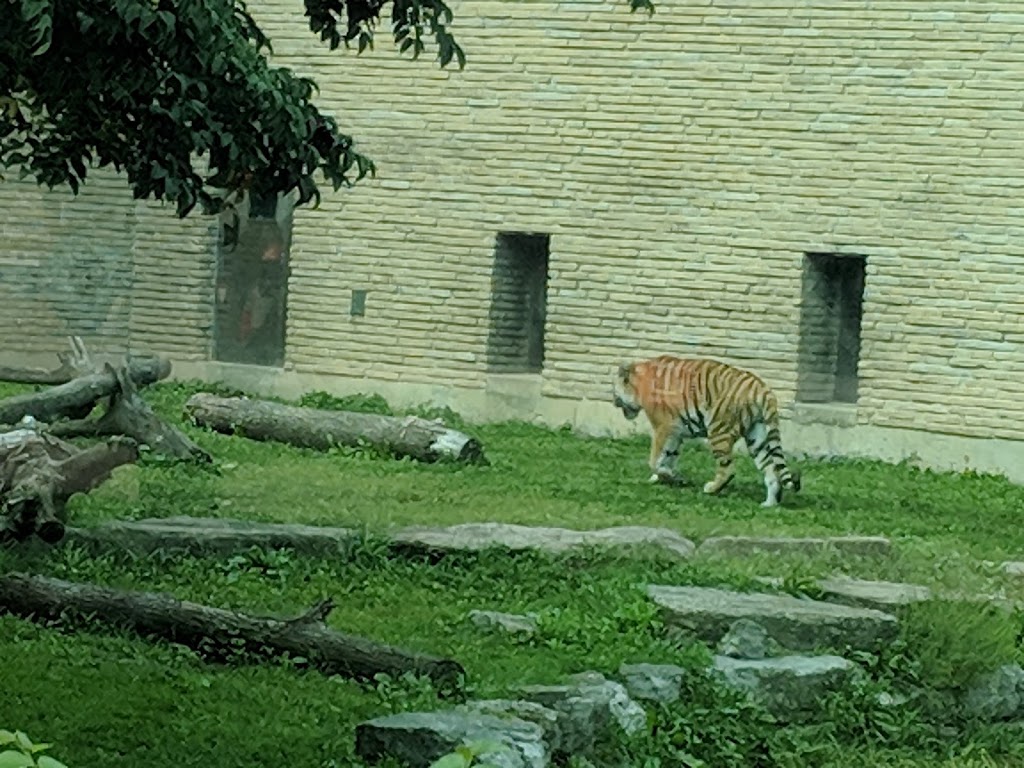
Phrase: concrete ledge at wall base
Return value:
(518, 396)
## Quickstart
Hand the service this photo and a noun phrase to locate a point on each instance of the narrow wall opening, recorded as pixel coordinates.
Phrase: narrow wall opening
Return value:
(252, 285)
(518, 313)
(830, 328)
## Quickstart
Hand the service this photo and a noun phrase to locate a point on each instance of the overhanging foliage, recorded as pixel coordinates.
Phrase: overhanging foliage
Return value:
(180, 96)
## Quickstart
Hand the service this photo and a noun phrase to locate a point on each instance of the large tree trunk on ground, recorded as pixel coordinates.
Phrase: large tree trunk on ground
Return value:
(39, 473)
(321, 429)
(77, 398)
(217, 632)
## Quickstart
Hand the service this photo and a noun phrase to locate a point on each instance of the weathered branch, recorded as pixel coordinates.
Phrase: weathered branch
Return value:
(220, 633)
(77, 398)
(322, 429)
(39, 473)
(128, 414)
(75, 363)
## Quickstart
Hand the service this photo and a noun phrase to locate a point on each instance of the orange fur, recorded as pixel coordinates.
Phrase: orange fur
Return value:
(699, 397)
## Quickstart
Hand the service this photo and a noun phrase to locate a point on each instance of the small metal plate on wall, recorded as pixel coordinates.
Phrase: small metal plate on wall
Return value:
(358, 308)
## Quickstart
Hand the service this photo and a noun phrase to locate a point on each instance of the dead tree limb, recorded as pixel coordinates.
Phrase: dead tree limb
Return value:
(321, 429)
(39, 473)
(220, 633)
(77, 398)
(128, 414)
(75, 363)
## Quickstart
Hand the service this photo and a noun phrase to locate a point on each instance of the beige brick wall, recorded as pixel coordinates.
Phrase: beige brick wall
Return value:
(125, 276)
(682, 164)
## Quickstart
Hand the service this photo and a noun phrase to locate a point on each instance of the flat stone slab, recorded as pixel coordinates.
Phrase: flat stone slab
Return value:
(790, 687)
(860, 546)
(416, 739)
(883, 595)
(474, 537)
(797, 624)
(522, 625)
(196, 535)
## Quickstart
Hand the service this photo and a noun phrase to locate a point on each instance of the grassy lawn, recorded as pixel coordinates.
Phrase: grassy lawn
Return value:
(108, 699)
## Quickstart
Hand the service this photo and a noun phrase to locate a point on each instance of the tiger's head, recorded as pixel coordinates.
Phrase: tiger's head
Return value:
(624, 392)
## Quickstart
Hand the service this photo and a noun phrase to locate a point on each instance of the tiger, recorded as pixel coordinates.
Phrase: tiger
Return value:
(701, 397)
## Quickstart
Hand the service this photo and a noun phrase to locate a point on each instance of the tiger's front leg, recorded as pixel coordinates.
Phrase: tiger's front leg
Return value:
(665, 455)
(721, 445)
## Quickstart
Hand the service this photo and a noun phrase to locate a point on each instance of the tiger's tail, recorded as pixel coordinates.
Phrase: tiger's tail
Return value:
(765, 444)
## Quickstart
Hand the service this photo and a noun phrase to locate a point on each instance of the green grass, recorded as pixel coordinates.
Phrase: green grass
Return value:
(106, 698)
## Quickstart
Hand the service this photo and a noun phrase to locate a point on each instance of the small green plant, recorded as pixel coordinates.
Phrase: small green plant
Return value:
(466, 755)
(19, 751)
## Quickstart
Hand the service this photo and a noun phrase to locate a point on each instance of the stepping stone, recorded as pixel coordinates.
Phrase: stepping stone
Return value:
(1012, 568)
(474, 537)
(861, 546)
(797, 624)
(197, 535)
(589, 708)
(417, 739)
(790, 687)
(661, 683)
(998, 695)
(883, 595)
(509, 623)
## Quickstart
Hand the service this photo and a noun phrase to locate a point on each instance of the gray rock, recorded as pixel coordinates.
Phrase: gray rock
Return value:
(998, 695)
(790, 687)
(417, 739)
(1012, 568)
(509, 623)
(528, 711)
(588, 706)
(887, 699)
(199, 535)
(474, 537)
(747, 639)
(861, 546)
(660, 683)
(630, 716)
(883, 595)
(796, 624)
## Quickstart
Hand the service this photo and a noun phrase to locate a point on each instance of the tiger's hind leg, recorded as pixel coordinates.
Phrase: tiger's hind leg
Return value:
(665, 454)
(765, 448)
(721, 444)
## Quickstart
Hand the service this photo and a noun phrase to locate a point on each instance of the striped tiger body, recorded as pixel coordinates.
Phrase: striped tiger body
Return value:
(697, 397)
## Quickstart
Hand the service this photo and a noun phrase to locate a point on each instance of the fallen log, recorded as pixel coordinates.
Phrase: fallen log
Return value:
(77, 398)
(39, 473)
(322, 429)
(220, 634)
(128, 414)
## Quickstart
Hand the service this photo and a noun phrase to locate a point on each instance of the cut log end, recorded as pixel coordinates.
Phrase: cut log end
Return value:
(50, 531)
(455, 446)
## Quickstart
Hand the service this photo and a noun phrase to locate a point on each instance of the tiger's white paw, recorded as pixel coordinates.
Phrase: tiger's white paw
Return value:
(767, 503)
(710, 487)
(665, 478)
